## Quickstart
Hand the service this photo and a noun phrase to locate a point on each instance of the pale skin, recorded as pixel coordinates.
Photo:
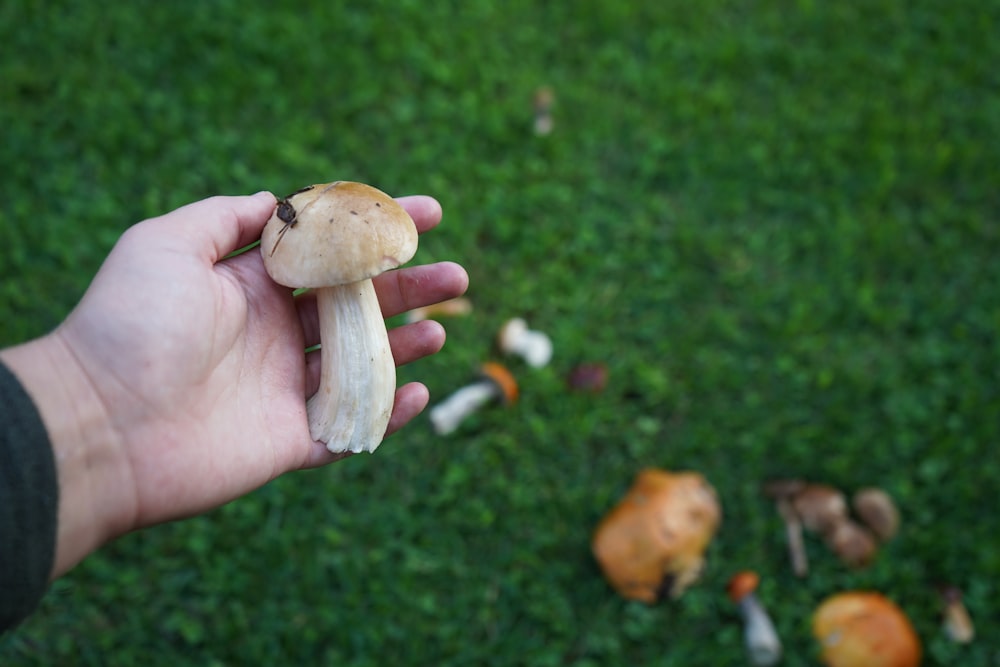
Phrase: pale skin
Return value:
(179, 382)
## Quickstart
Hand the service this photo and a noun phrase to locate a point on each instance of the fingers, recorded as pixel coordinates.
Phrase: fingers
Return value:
(410, 401)
(217, 226)
(398, 291)
(214, 227)
(409, 343)
(416, 341)
(406, 289)
(425, 211)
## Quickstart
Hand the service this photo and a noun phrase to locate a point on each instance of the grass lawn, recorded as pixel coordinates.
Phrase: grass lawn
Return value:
(776, 222)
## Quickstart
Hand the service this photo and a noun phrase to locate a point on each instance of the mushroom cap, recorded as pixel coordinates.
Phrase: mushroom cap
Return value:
(502, 378)
(852, 542)
(865, 629)
(336, 233)
(511, 332)
(783, 489)
(820, 507)
(652, 542)
(876, 510)
(742, 584)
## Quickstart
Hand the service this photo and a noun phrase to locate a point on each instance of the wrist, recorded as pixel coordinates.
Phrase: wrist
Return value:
(96, 495)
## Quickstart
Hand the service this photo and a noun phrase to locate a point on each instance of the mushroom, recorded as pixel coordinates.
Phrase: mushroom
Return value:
(957, 622)
(823, 509)
(456, 307)
(759, 636)
(533, 346)
(334, 238)
(652, 543)
(852, 543)
(495, 383)
(820, 507)
(783, 492)
(865, 629)
(876, 510)
(543, 100)
(588, 377)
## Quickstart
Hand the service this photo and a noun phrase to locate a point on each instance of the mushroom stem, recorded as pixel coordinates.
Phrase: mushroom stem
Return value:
(447, 415)
(957, 622)
(784, 491)
(496, 384)
(351, 409)
(544, 98)
(760, 638)
(793, 533)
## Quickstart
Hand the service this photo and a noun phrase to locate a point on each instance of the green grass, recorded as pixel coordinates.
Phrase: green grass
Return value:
(777, 222)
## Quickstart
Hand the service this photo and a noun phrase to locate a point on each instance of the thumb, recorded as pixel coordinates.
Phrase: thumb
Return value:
(217, 226)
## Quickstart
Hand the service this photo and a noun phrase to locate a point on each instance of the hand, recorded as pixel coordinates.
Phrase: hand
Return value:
(186, 370)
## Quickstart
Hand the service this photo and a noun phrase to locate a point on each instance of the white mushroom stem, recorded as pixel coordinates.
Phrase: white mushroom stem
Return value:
(357, 386)
(447, 415)
(759, 636)
(533, 346)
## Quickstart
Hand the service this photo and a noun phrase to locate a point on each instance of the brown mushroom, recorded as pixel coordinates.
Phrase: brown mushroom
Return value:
(957, 621)
(783, 492)
(820, 507)
(852, 542)
(652, 543)
(876, 510)
(543, 101)
(865, 629)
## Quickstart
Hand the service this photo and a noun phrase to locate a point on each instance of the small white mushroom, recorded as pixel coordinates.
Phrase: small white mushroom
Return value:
(533, 346)
(334, 238)
(759, 635)
(957, 621)
(496, 383)
(543, 101)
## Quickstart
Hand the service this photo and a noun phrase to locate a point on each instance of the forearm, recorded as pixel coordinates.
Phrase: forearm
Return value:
(95, 500)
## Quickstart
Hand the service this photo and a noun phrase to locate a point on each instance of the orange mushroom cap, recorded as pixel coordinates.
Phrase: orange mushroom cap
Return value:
(503, 379)
(651, 544)
(865, 629)
(742, 584)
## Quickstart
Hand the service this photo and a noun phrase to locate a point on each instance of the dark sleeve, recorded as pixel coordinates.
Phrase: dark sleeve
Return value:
(29, 496)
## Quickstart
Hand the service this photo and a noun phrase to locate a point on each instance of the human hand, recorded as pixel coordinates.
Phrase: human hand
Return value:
(195, 363)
